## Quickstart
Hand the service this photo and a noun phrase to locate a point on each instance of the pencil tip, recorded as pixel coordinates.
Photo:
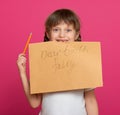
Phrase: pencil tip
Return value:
(30, 33)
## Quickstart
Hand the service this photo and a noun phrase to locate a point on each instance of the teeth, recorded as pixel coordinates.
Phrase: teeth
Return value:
(62, 40)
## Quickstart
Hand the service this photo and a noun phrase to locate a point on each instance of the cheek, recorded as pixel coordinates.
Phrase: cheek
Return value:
(72, 40)
(72, 37)
(53, 36)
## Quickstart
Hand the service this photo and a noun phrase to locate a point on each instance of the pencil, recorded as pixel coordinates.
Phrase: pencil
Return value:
(26, 45)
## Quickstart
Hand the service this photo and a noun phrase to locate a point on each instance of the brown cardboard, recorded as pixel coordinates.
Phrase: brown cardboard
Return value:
(58, 66)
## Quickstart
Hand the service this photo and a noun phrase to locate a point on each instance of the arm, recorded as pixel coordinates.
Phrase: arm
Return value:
(91, 103)
(34, 99)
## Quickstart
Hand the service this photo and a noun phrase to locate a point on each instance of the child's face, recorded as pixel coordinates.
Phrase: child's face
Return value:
(63, 32)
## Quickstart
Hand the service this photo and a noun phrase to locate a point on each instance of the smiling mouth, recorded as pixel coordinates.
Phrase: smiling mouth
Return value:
(62, 40)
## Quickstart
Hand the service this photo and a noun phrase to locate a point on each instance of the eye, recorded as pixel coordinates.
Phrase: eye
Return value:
(55, 30)
(68, 30)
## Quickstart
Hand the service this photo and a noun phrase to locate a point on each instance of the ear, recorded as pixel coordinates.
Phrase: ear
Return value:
(47, 34)
(77, 35)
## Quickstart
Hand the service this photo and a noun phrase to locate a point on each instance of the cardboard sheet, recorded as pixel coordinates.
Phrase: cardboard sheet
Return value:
(58, 66)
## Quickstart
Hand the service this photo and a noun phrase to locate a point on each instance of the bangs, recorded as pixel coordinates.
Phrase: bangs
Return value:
(62, 18)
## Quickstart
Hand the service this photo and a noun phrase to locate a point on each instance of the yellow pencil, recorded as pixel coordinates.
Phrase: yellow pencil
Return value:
(26, 45)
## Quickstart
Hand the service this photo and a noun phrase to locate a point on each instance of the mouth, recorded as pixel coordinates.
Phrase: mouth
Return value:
(62, 40)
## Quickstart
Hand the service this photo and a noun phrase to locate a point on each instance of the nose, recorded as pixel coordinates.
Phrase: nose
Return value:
(62, 34)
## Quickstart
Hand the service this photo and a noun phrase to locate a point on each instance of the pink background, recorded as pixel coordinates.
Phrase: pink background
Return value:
(100, 22)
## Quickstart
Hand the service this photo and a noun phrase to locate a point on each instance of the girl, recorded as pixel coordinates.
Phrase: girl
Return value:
(61, 26)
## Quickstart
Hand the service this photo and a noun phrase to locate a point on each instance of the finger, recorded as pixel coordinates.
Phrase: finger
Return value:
(21, 55)
(21, 59)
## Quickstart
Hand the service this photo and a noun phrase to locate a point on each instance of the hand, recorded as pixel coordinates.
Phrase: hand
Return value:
(21, 63)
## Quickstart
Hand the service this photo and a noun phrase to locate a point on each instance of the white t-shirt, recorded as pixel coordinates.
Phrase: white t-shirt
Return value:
(64, 103)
